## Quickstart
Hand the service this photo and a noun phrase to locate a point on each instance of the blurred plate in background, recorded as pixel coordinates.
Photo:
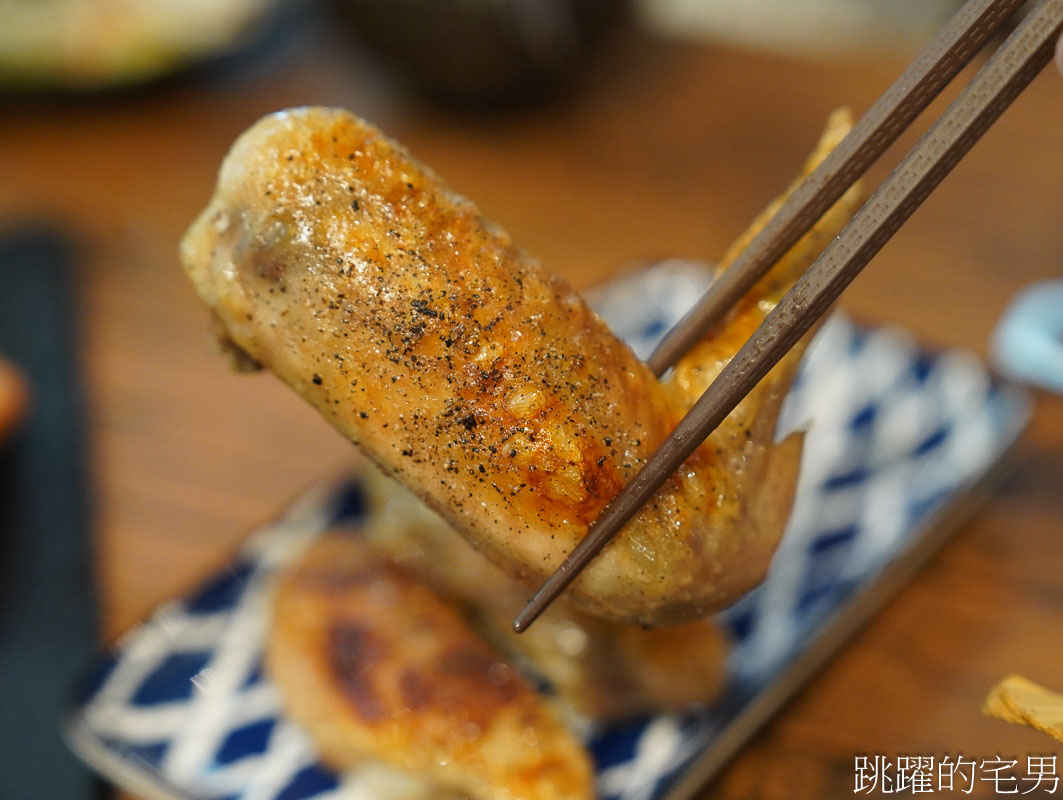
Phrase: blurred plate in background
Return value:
(898, 439)
(89, 45)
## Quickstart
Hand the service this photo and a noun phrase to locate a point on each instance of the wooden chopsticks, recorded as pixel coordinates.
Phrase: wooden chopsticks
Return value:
(938, 63)
(1025, 52)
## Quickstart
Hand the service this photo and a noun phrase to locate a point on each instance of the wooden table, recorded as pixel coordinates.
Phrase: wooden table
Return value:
(660, 149)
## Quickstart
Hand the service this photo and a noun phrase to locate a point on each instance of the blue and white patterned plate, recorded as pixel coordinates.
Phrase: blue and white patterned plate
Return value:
(182, 709)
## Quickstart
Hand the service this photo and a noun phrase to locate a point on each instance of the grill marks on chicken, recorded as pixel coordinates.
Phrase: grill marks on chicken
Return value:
(483, 383)
(382, 670)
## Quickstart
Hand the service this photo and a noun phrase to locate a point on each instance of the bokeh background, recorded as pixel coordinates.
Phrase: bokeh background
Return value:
(602, 134)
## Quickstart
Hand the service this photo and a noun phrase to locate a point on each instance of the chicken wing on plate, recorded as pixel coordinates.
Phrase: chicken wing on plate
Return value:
(382, 670)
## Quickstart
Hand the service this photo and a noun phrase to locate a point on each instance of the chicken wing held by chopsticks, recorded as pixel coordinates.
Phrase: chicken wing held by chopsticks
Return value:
(482, 382)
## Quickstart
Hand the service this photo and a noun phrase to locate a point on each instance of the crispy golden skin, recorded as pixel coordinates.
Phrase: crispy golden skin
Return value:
(602, 669)
(479, 380)
(378, 667)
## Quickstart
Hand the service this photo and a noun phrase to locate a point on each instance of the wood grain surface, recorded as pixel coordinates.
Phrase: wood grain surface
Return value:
(660, 149)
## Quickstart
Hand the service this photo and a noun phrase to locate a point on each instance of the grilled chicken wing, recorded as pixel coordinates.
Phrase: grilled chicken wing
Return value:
(481, 381)
(602, 669)
(378, 668)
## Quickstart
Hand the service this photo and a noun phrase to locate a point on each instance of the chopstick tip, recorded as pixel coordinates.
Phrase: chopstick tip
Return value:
(525, 618)
(537, 605)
